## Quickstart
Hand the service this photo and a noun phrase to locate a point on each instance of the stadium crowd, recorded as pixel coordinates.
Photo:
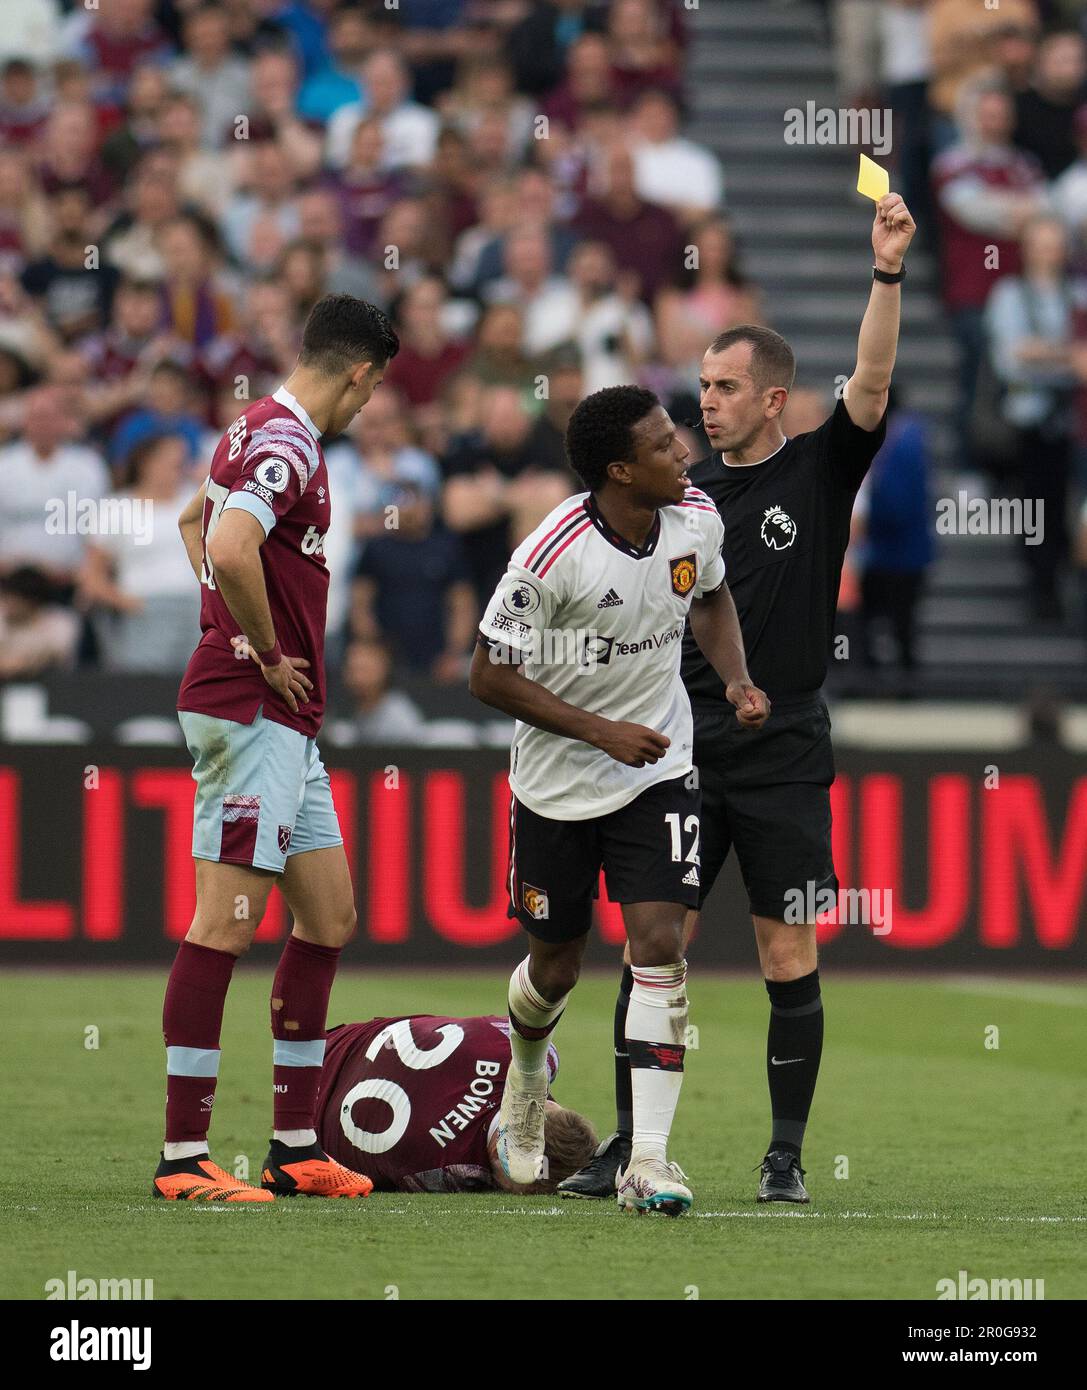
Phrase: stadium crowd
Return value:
(180, 181)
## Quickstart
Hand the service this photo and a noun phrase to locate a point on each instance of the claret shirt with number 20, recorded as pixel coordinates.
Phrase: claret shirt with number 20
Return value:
(600, 623)
(270, 464)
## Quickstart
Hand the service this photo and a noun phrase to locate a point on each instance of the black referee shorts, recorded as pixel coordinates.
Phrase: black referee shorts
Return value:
(766, 793)
(648, 850)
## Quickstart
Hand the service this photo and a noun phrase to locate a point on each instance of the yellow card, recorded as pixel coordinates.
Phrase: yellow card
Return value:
(872, 180)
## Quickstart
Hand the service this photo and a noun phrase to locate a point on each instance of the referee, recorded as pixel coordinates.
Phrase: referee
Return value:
(786, 506)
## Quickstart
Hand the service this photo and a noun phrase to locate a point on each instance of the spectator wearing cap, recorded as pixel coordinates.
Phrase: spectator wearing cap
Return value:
(139, 577)
(37, 634)
(502, 479)
(1045, 113)
(211, 73)
(413, 590)
(410, 130)
(24, 105)
(42, 470)
(643, 237)
(986, 191)
(74, 298)
(669, 169)
(429, 354)
(378, 713)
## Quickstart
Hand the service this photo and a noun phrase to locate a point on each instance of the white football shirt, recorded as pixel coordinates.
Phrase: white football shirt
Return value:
(600, 625)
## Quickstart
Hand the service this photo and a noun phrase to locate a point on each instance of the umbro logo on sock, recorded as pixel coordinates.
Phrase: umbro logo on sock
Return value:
(610, 600)
(691, 877)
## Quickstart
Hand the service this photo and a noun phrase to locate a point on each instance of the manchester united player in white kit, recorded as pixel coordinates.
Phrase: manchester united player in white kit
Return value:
(593, 607)
(250, 704)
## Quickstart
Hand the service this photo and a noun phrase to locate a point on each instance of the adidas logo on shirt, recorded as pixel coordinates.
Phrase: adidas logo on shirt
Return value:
(691, 877)
(610, 600)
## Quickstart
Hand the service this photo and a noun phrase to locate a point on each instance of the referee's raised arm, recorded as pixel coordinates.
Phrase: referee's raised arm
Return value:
(865, 393)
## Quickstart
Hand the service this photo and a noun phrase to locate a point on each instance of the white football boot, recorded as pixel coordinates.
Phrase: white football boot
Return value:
(521, 1126)
(651, 1184)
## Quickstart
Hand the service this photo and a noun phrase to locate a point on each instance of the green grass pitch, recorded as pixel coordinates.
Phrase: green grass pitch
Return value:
(959, 1156)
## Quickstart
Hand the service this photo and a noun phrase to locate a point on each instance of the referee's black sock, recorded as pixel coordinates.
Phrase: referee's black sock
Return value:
(624, 1099)
(794, 1045)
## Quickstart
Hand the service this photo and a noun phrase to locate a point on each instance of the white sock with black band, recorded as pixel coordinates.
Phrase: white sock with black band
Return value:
(656, 1029)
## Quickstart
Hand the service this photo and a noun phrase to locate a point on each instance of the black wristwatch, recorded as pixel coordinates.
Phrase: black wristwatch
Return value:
(886, 277)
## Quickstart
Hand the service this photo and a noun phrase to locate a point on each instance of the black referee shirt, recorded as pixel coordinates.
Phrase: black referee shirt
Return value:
(786, 530)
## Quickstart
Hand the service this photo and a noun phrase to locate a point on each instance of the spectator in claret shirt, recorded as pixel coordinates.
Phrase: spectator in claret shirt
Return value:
(428, 354)
(24, 105)
(644, 238)
(644, 53)
(1045, 112)
(588, 86)
(365, 189)
(114, 40)
(986, 191)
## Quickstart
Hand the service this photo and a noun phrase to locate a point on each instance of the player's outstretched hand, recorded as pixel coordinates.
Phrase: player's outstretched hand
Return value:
(632, 744)
(752, 704)
(286, 678)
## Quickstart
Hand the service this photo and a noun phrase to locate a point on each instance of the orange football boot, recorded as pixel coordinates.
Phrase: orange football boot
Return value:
(309, 1172)
(199, 1180)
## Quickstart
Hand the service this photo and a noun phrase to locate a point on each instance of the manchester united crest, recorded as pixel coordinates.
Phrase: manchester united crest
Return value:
(535, 901)
(684, 573)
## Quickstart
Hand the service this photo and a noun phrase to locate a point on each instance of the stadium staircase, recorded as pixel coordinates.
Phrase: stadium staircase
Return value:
(802, 230)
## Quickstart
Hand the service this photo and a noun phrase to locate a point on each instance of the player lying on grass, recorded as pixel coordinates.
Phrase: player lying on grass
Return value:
(593, 606)
(413, 1103)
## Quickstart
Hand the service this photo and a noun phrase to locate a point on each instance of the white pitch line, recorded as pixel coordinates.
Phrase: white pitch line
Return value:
(886, 1216)
(1031, 991)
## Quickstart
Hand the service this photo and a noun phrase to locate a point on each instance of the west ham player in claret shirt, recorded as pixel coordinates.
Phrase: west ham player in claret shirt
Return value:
(250, 705)
(593, 607)
(414, 1101)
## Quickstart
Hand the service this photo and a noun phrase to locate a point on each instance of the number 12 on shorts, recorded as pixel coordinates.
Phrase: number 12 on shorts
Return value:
(689, 825)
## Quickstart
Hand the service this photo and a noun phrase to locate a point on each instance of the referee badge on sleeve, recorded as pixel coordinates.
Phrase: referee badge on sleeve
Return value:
(535, 901)
(684, 573)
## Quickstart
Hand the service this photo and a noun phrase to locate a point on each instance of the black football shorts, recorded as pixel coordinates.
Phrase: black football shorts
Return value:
(766, 793)
(648, 850)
